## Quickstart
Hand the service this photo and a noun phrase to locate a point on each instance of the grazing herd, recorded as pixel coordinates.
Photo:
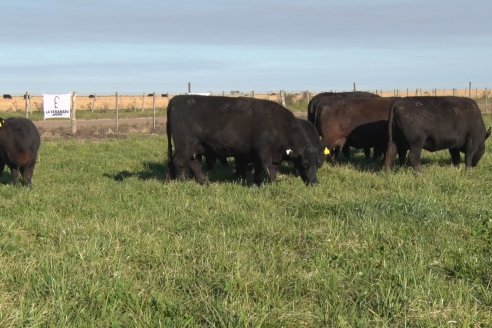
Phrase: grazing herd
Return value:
(261, 134)
(264, 134)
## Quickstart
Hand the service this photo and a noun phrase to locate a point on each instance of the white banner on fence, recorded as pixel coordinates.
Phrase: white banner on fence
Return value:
(57, 105)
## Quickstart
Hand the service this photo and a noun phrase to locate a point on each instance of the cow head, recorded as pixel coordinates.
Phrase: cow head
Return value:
(307, 162)
(481, 149)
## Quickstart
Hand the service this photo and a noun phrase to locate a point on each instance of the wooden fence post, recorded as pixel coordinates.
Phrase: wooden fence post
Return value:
(153, 111)
(143, 101)
(93, 101)
(26, 104)
(486, 100)
(117, 113)
(73, 119)
(282, 97)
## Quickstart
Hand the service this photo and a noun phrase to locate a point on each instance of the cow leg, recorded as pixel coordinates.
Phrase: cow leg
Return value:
(336, 154)
(414, 156)
(378, 151)
(14, 171)
(367, 153)
(337, 146)
(455, 156)
(267, 164)
(271, 171)
(171, 171)
(210, 160)
(346, 151)
(223, 161)
(390, 156)
(180, 166)
(402, 154)
(258, 173)
(468, 159)
(196, 169)
(27, 173)
(241, 167)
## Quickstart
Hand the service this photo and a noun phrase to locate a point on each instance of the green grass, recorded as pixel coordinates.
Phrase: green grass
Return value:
(102, 241)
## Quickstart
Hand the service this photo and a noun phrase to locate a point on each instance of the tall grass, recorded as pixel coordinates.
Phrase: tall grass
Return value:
(102, 241)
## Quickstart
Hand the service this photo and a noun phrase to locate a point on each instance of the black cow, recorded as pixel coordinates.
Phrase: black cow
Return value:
(436, 123)
(242, 127)
(326, 101)
(19, 145)
(6, 96)
(313, 138)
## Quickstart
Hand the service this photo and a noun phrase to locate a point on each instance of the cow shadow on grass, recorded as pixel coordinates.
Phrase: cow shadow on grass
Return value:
(150, 171)
(442, 161)
(220, 173)
(226, 173)
(159, 171)
(359, 163)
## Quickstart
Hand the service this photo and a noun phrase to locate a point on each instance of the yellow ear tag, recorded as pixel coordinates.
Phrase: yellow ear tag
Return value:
(326, 151)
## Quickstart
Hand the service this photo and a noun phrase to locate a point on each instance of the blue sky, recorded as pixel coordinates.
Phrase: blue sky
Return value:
(103, 46)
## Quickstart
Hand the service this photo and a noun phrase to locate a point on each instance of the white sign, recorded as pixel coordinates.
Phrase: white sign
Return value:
(57, 105)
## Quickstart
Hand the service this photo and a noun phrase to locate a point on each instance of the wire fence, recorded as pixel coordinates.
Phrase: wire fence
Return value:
(103, 106)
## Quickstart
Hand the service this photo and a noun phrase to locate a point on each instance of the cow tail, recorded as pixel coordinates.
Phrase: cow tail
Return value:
(310, 111)
(390, 121)
(389, 156)
(169, 136)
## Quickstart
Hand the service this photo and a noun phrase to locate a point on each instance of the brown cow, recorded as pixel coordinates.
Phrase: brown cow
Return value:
(326, 101)
(363, 122)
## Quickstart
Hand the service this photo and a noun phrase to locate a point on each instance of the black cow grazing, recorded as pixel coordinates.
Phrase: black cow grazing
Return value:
(361, 122)
(244, 128)
(314, 142)
(19, 145)
(436, 123)
(7, 96)
(326, 101)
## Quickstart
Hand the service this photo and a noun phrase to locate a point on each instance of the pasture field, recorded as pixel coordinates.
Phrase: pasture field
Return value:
(102, 241)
